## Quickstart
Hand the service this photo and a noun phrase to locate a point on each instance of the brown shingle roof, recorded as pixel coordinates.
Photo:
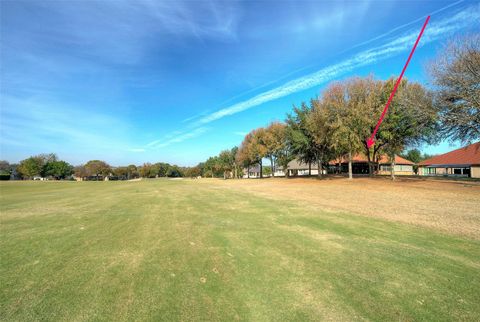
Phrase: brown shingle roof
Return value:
(464, 156)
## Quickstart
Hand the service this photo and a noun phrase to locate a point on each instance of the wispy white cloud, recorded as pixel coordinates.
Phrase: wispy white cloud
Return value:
(391, 31)
(436, 30)
(178, 138)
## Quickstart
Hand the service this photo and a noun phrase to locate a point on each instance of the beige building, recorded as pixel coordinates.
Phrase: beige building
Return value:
(383, 164)
(463, 162)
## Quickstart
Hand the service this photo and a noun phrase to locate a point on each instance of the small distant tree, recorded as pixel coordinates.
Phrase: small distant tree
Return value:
(80, 171)
(30, 167)
(193, 172)
(57, 169)
(132, 172)
(5, 170)
(211, 167)
(96, 168)
(456, 75)
(227, 162)
(174, 172)
(121, 172)
(147, 170)
(413, 155)
(161, 169)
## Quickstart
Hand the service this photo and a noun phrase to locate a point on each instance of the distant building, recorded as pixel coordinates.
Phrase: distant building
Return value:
(298, 168)
(294, 168)
(383, 164)
(252, 171)
(463, 162)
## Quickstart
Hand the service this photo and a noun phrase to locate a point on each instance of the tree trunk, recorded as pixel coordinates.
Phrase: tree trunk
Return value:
(261, 169)
(374, 159)
(392, 167)
(350, 171)
(309, 169)
(248, 172)
(319, 166)
(370, 165)
(271, 164)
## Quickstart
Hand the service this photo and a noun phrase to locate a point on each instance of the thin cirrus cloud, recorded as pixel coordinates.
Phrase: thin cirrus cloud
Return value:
(436, 30)
(176, 137)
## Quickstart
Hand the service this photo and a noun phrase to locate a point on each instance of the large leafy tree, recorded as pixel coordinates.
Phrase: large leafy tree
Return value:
(344, 103)
(411, 119)
(456, 75)
(320, 129)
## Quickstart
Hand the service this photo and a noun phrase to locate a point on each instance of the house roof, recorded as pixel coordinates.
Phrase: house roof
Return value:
(253, 168)
(360, 158)
(468, 155)
(297, 165)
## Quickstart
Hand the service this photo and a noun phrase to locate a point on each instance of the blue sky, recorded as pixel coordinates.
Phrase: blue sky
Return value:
(149, 81)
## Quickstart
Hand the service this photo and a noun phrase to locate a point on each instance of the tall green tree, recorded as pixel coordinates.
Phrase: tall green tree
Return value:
(226, 162)
(274, 141)
(253, 149)
(411, 119)
(320, 129)
(300, 138)
(344, 102)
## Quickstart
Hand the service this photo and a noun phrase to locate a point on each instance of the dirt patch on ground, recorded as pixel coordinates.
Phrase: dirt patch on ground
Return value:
(449, 206)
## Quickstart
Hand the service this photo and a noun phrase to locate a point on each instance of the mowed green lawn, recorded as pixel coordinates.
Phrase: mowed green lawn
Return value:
(193, 250)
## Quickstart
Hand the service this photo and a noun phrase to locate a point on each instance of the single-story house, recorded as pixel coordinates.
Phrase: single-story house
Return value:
(463, 162)
(294, 168)
(360, 165)
(298, 168)
(252, 172)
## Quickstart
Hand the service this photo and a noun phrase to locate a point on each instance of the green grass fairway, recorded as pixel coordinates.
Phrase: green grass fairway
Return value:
(194, 250)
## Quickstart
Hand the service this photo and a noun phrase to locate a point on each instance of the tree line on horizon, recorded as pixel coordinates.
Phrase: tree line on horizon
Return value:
(329, 128)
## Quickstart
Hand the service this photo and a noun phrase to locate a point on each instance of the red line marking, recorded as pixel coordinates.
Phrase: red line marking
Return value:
(371, 140)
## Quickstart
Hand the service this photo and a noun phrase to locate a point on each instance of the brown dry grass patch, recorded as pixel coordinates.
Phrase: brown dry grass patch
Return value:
(448, 206)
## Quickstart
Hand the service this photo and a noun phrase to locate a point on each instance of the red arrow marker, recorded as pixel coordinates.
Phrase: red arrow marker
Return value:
(371, 140)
